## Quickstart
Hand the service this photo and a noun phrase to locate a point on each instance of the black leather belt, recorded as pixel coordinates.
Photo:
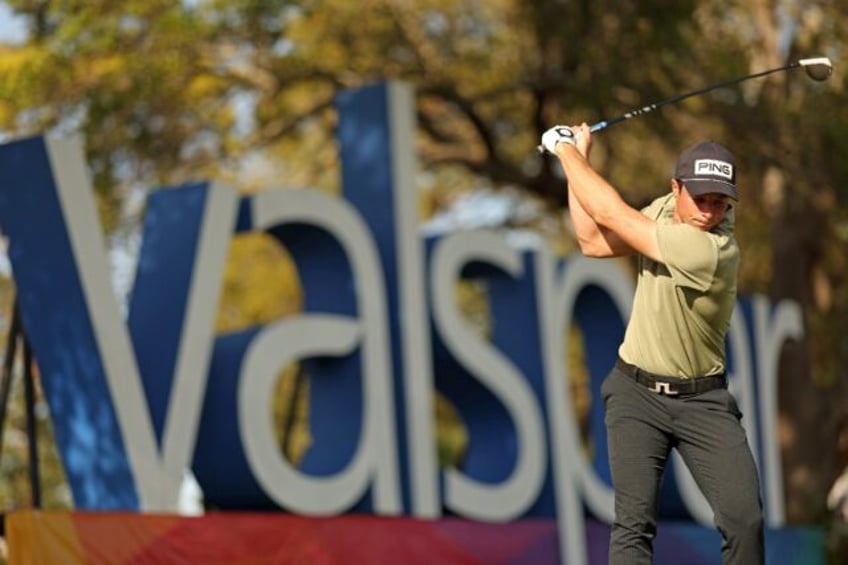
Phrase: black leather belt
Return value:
(672, 386)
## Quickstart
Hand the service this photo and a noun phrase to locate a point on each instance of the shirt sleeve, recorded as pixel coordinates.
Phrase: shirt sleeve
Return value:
(690, 255)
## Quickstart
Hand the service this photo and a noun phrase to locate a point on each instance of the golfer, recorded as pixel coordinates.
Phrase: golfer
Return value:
(668, 389)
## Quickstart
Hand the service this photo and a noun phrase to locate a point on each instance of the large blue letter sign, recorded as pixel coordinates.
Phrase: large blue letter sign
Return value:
(137, 402)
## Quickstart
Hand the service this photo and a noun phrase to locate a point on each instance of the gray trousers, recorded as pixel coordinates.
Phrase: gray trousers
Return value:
(642, 428)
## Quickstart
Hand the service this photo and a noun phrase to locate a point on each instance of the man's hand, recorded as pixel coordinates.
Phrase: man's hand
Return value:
(557, 135)
(583, 138)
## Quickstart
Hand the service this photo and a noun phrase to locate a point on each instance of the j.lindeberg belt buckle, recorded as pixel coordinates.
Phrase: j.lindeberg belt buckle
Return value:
(663, 388)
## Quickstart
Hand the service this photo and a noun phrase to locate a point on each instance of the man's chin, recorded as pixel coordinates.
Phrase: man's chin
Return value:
(702, 224)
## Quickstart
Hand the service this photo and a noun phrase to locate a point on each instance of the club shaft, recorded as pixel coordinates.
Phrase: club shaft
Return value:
(674, 99)
(813, 62)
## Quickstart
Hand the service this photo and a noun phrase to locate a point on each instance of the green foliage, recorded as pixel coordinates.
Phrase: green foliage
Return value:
(242, 90)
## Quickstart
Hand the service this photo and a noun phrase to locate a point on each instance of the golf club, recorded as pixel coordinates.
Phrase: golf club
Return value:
(817, 68)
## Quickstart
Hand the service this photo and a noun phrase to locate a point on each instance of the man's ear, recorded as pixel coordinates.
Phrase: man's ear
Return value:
(676, 185)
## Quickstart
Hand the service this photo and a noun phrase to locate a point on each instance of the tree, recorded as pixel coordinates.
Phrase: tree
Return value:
(243, 90)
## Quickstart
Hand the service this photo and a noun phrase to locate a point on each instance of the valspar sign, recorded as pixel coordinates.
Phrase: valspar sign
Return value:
(137, 400)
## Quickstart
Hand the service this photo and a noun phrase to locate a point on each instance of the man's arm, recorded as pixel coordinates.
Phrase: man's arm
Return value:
(594, 240)
(603, 205)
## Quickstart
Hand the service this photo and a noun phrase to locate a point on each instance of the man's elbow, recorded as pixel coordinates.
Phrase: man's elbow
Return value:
(592, 249)
(598, 254)
(604, 217)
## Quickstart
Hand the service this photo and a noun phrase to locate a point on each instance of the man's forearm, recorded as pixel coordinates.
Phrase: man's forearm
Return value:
(585, 227)
(595, 195)
(621, 229)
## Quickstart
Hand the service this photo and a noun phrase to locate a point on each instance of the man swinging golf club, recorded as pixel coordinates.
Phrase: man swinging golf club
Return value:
(668, 389)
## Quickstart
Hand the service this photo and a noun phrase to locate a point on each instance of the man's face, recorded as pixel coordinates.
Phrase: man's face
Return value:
(704, 211)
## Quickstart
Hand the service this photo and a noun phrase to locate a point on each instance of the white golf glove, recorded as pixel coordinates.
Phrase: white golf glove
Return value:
(556, 135)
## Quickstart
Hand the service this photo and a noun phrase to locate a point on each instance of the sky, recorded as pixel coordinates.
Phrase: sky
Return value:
(11, 27)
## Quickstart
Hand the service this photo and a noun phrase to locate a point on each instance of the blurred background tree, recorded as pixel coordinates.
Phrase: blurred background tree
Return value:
(243, 90)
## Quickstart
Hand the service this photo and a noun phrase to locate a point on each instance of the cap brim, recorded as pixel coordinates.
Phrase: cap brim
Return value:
(699, 187)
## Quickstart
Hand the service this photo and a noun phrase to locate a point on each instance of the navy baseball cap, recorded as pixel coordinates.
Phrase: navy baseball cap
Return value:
(707, 168)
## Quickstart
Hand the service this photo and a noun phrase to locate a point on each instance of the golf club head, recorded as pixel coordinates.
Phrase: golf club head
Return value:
(817, 68)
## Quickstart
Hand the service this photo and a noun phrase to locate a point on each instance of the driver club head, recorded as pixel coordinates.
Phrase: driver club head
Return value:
(819, 69)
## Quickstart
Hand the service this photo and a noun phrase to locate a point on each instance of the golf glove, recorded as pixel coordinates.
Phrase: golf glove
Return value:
(556, 135)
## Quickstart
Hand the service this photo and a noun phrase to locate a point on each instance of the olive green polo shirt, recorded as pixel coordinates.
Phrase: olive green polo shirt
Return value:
(683, 305)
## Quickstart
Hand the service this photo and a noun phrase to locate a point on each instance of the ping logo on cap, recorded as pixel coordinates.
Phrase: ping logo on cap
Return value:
(714, 167)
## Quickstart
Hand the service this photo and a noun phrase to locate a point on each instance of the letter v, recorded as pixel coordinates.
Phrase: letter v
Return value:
(92, 380)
